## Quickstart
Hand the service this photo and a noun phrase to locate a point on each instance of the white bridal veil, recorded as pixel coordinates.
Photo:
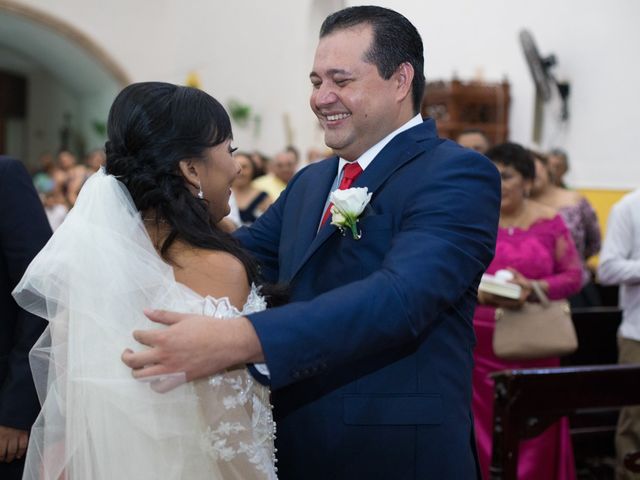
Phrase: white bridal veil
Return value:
(91, 282)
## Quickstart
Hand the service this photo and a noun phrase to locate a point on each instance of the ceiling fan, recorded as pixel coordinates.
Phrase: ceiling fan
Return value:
(540, 68)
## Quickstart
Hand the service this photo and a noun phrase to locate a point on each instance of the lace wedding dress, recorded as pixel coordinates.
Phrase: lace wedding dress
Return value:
(91, 282)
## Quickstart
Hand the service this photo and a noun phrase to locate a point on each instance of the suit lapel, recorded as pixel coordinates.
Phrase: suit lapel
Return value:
(312, 208)
(400, 150)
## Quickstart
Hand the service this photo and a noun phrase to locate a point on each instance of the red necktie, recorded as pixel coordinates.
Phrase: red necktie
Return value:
(350, 173)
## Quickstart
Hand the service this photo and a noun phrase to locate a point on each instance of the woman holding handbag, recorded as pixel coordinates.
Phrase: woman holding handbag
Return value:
(536, 247)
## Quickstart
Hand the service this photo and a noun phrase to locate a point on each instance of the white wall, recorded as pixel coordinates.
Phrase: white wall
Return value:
(597, 45)
(95, 108)
(247, 50)
(260, 53)
(47, 103)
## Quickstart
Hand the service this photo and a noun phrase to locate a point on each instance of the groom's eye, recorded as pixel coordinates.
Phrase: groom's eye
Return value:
(232, 149)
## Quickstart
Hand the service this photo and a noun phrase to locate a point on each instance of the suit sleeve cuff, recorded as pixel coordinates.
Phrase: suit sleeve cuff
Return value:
(260, 372)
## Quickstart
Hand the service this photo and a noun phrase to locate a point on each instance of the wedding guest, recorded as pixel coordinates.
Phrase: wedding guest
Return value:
(55, 210)
(23, 232)
(52, 197)
(70, 177)
(580, 218)
(315, 154)
(251, 202)
(558, 166)
(261, 162)
(281, 169)
(95, 159)
(534, 243)
(620, 265)
(371, 360)
(42, 177)
(475, 139)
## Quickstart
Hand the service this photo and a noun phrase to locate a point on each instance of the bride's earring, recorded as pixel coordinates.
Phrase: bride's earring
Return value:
(200, 192)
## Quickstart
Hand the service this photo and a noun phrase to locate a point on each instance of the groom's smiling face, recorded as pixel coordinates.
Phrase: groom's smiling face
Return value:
(356, 106)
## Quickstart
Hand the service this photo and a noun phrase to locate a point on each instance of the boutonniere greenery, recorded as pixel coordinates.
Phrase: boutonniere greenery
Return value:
(347, 206)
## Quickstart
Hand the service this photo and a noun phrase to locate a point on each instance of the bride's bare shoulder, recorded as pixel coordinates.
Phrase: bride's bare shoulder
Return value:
(215, 273)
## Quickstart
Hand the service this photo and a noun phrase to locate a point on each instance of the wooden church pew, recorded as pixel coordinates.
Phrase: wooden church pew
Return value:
(528, 401)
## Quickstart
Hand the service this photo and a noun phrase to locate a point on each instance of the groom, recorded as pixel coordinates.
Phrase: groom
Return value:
(370, 363)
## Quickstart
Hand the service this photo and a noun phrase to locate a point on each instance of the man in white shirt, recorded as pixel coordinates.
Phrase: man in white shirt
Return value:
(620, 264)
(282, 168)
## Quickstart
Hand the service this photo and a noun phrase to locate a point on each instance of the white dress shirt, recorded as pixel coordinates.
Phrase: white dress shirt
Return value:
(620, 260)
(367, 157)
(234, 212)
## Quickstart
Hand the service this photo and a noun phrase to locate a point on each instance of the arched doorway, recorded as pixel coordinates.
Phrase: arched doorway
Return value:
(68, 83)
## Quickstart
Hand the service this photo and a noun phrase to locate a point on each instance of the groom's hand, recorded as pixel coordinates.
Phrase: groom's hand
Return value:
(13, 443)
(195, 345)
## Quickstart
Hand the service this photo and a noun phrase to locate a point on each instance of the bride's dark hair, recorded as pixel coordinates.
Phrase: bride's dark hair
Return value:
(152, 126)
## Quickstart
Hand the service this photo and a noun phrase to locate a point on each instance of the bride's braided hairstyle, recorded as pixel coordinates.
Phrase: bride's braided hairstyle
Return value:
(151, 127)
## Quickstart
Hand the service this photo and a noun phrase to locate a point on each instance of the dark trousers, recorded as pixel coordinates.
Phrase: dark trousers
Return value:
(628, 431)
(12, 471)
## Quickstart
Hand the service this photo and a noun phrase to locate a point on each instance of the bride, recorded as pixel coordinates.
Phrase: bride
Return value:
(142, 235)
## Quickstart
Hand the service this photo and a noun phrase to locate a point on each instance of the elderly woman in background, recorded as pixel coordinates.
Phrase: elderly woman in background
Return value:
(580, 218)
(558, 166)
(251, 202)
(534, 244)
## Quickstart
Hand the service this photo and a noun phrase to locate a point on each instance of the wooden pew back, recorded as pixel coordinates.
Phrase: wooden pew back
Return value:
(528, 401)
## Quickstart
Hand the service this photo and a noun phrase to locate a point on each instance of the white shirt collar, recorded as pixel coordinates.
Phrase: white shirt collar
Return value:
(367, 157)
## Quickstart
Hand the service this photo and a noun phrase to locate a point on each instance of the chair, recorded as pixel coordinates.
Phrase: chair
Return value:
(528, 401)
(632, 462)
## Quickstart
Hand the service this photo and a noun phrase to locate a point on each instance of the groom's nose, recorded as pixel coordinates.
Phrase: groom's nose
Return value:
(325, 95)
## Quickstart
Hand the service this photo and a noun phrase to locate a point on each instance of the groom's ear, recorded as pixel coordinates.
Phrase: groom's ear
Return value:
(189, 172)
(403, 78)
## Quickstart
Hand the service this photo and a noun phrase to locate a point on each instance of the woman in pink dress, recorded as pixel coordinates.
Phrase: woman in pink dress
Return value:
(534, 244)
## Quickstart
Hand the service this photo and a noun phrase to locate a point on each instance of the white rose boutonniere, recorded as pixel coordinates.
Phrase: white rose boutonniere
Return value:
(347, 206)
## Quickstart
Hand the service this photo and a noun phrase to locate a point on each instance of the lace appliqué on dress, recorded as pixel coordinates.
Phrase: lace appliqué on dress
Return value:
(233, 397)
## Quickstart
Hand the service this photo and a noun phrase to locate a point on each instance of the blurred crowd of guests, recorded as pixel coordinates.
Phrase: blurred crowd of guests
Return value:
(59, 178)
(262, 179)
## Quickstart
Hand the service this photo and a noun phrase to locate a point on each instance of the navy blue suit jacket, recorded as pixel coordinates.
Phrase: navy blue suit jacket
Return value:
(24, 230)
(371, 361)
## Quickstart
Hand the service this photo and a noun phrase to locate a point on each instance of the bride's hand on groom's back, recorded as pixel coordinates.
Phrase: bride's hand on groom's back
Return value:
(195, 345)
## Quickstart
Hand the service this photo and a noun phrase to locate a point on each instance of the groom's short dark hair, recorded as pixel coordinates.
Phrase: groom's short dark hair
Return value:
(395, 41)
